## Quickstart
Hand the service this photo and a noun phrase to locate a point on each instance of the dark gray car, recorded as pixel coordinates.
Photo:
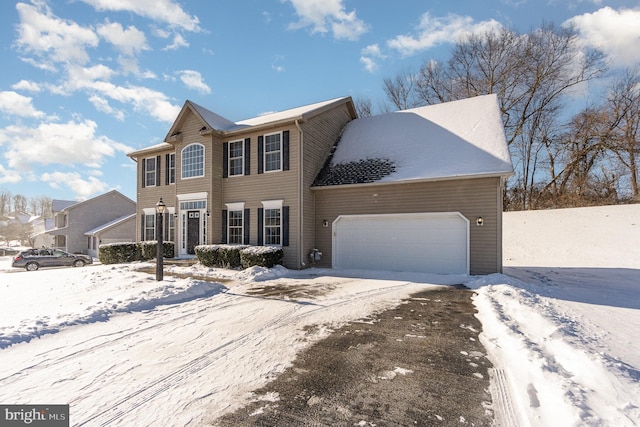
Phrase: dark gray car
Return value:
(33, 259)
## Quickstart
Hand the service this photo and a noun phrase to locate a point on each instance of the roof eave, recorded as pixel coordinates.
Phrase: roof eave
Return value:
(417, 181)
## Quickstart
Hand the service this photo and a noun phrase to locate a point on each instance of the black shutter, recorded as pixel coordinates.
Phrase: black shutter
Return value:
(285, 150)
(158, 170)
(165, 225)
(142, 224)
(285, 226)
(166, 169)
(261, 154)
(225, 160)
(260, 226)
(245, 222)
(247, 156)
(144, 173)
(224, 226)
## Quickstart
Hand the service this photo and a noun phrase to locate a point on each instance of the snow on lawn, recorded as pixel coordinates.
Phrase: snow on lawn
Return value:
(560, 327)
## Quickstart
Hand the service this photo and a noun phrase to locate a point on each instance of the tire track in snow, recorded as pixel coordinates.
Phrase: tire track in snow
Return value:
(148, 392)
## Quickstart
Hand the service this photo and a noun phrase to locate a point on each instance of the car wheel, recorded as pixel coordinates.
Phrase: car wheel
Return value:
(32, 266)
(79, 263)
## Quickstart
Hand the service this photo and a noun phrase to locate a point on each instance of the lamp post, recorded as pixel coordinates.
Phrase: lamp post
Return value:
(160, 208)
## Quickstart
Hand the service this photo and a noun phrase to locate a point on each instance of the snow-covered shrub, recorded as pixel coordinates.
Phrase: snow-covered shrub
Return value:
(118, 253)
(222, 256)
(149, 249)
(262, 256)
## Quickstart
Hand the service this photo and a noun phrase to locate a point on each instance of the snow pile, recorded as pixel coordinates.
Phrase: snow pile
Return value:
(563, 339)
(51, 302)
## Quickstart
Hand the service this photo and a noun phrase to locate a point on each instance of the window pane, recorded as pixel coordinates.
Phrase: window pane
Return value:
(235, 227)
(150, 172)
(272, 152)
(236, 153)
(193, 161)
(272, 226)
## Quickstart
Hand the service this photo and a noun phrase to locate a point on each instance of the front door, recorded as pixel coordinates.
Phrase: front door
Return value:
(193, 231)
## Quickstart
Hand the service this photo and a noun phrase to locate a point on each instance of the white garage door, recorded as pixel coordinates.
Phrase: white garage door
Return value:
(423, 242)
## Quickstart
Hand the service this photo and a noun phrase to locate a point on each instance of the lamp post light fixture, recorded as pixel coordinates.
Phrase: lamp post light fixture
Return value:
(160, 209)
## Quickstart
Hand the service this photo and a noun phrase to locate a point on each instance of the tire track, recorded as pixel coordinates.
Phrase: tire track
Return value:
(147, 393)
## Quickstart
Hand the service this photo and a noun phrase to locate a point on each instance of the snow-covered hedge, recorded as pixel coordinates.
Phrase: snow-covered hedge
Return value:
(262, 256)
(118, 253)
(235, 256)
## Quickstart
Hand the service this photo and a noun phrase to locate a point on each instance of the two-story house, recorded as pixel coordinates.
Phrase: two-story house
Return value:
(418, 190)
(80, 227)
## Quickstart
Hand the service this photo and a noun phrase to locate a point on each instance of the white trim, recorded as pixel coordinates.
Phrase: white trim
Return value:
(272, 204)
(229, 174)
(192, 196)
(235, 206)
(182, 158)
(264, 152)
(149, 211)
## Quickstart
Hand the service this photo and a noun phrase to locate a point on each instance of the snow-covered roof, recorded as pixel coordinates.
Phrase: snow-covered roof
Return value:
(454, 139)
(219, 123)
(110, 224)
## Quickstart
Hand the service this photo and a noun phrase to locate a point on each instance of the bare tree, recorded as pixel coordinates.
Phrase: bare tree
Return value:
(363, 107)
(530, 73)
(624, 110)
(20, 203)
(400, 90)
(5, 202)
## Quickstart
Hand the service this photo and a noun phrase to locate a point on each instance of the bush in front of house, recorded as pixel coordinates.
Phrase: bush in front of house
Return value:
(262, 256)
(118, 253)
(236, 256)
(221, 256)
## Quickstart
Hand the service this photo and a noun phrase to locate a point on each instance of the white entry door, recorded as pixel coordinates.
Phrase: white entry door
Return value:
(419, 242)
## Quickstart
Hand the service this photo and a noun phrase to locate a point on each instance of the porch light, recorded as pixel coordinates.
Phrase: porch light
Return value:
(479, 221)
(160, 209)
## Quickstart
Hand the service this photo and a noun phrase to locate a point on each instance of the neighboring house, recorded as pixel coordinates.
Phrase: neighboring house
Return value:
(39, 237)
(415, 190)
(121, 229)
(79, 226)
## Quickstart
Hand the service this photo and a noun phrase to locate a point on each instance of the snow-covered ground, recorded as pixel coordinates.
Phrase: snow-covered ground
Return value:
(122, 349)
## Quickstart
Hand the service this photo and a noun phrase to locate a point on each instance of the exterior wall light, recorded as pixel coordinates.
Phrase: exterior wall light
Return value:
(479, 221)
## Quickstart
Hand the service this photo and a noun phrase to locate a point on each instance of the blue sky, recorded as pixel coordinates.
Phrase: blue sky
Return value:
(84, 82)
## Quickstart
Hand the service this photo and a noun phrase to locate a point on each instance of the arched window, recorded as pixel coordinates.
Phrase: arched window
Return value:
(193, 161)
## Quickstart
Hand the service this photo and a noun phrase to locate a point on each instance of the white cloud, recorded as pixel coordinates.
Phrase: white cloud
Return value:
(328, 15)
(178, 42)
(27, 85)
(56, 143)
(193, 80)
(615, 32)
(432, 32)
(163, 11)
(51, 38)
(129, 41)
(9, 176)
(369, 55)
(101, 104)
(83, 188)
(18, 105)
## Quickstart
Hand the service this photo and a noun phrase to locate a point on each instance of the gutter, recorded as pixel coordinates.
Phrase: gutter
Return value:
(301, 198)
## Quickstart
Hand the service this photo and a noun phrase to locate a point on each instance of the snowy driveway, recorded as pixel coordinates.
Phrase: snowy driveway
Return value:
(145, 359)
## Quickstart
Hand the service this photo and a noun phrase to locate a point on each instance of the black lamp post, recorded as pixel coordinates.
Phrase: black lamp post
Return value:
(160, 208)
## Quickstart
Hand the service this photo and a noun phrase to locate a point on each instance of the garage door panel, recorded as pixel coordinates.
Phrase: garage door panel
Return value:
(427, 242)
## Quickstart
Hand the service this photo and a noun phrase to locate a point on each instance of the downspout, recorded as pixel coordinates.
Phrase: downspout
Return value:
(301, 198)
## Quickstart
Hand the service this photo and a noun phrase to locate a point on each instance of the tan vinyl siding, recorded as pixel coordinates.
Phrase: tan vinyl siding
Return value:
(255, 188)
(473, 198)
(320, 135)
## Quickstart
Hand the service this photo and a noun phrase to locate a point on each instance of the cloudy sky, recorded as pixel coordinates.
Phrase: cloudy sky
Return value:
(84, 82)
